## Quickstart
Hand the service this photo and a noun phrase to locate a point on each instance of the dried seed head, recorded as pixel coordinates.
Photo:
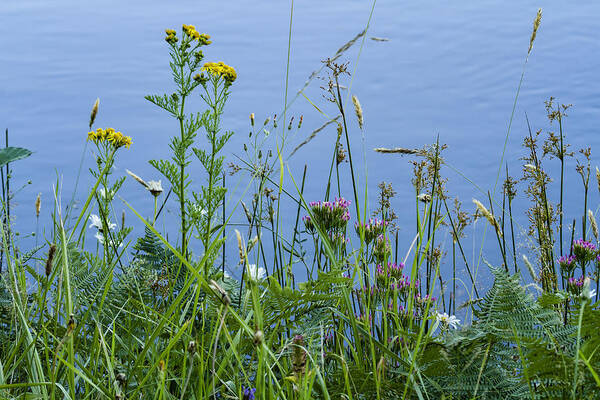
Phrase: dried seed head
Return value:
(50, 258)
(536, 25)
(191, 347)
(123, 219)
(530, 268)
(593, 223)
(121, 378)
(71, 324)
(488, 215)
(38, 205)
(300, 122)
(530, 167)
(424, 197)
(598, 178)
(341, 154)
(94, 112)
(358, 110)
(381, 367)
(247, 212)
(137, 178)
(259, 337)
(253, 242)
(252, 119)
(220, 292)
(240, 244)
(298, 355)
(398, 150)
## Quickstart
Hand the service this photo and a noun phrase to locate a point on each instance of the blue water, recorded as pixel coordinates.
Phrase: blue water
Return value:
(448, 69)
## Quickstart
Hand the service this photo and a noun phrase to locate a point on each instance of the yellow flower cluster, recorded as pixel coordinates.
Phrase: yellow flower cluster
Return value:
(191, 31)
(117, 139)
(222, 70)
(171, 38)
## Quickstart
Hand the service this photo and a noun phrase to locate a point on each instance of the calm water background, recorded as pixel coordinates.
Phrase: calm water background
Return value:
(449, 68)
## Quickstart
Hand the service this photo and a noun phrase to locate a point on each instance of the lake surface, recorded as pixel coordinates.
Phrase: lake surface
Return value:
(449, 69)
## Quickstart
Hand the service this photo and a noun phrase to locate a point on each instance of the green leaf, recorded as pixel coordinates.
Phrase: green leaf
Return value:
(10, 154)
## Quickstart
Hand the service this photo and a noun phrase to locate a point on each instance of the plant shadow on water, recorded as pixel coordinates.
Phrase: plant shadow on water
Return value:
(327, 310)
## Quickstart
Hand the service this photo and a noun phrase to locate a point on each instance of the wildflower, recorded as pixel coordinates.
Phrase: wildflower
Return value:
(221, 70)
(254, 273)
(373, 228)
(567, 263)
(248, 394)
(116, 139)
(424, 197)
(447, 321)
(200, 78)
(100, 237)
(332, 216)
(96, 222)
(154, 187)
(170, 38)
(584, 251)
(575, 285)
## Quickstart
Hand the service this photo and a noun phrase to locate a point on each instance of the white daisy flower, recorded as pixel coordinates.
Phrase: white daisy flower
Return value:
(448, 321)
(95, 222)
(254, 273)
(154, 187)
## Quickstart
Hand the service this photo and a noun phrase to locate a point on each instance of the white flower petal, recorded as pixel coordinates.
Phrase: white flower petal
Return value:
(95, 221)
(255, 274)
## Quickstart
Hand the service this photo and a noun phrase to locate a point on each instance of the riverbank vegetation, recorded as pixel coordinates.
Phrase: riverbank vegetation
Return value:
(328, 306)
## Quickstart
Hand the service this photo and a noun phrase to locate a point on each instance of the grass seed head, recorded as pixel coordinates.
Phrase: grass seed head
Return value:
(38, 205)
(94, 112)
(536, 25)
(240, 243)
(50, 258)
(530, 268)
(488, 215)
(593, 223)
(358, 110)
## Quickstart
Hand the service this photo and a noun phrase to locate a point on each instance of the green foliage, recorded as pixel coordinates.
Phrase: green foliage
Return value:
(10, 154)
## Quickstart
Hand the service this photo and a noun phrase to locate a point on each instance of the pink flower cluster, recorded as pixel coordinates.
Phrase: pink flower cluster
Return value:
(373, 228)
(584, 251)
(331, 216)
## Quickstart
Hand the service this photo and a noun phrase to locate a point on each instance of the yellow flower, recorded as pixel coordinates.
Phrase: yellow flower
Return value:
(115, 138)
(170, 32)
(220, 69)
(126, 141)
